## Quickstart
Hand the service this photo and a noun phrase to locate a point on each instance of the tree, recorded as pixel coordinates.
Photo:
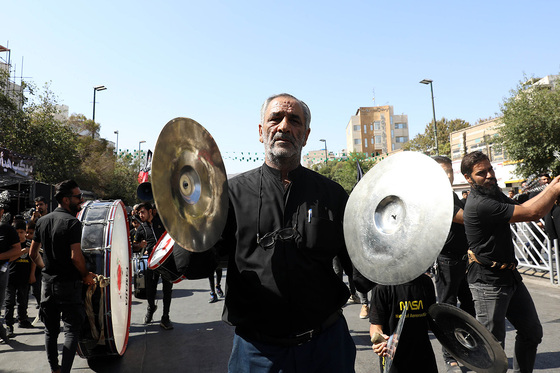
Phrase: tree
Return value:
(531, 128)
(345, 172)
(425, 142)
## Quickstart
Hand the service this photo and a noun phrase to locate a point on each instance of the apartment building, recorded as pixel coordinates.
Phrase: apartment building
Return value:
(477, 138)
(318, 157)
(376, 130)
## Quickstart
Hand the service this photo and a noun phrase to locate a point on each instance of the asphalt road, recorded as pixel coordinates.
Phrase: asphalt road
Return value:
(201, 342)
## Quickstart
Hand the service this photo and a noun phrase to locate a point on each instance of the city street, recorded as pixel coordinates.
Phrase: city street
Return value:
(201, 342)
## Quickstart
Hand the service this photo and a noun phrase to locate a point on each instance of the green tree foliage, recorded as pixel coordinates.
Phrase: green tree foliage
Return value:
(345, 172)
(34, 130)
(531, 128)
(64, 149)
(424, 142)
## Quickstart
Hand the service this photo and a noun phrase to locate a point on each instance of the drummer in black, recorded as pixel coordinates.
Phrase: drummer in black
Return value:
(64, 272)
(451, 279)
(147, 235)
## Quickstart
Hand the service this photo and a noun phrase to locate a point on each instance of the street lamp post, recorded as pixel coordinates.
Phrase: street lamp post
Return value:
(117, 148)
(326, 152)
(139, 145)
(429, 81)
(95, 89)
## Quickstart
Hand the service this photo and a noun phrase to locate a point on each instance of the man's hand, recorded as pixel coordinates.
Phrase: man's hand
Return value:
(89, 278)
(381, 347)
(142, 244)
(36, 215)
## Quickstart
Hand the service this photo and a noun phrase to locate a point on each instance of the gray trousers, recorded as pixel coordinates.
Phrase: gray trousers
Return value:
(493, 304)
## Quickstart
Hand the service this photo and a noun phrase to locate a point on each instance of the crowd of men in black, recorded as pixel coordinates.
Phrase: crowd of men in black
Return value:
(284, 229)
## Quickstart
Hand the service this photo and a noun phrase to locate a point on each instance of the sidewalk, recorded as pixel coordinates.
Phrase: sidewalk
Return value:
(201, 342)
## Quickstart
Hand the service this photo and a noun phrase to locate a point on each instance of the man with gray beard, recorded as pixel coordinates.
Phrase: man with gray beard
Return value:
(496, 285)
(284, 228)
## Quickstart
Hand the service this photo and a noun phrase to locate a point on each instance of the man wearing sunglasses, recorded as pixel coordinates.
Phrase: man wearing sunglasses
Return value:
(64, 272)
(284, 229)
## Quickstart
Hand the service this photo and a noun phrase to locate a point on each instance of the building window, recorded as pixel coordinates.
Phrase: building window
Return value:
(365, 128)
(392, 146)
(356, 127)
(377, 125)
(401, 139)
(365, 143)
(371, 127)
(356, 141)
(392, 134)
(378, 139)
(400, 126)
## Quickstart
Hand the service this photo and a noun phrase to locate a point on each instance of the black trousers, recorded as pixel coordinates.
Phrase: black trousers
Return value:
(152, 279)
(62, 301)
(452, 286)
(17, 293)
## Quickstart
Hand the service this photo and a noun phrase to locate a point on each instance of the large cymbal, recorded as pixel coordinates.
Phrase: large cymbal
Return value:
(467, 339)
(189, 184)
(398, 217)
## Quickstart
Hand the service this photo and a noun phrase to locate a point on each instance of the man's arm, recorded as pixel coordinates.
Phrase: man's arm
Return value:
(80, 263)
(379, 346)
(539, 206)
(15, 251)
(34, 254)
(458, 218)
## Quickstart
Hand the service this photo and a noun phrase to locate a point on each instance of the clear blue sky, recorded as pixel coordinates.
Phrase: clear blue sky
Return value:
(216, 61)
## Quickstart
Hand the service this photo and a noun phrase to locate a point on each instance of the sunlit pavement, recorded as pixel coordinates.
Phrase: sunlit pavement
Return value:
(201, 342)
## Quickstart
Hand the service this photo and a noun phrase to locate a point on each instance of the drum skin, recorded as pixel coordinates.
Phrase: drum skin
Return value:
(107, 250)
(162, 259)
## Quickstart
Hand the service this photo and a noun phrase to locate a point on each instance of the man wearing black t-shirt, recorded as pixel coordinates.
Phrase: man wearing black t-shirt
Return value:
(64, 272)
(451, 281)
(414, 352)
(9, 247)
(495, 283)
(147, 235)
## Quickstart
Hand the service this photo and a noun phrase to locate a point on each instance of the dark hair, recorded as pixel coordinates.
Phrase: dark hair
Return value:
(465, 192)
(544, 174)
(19, 224)
(470, 160)
(442, 160)
(147, 205)
(41, 199)
(64, 189)
(31, 225)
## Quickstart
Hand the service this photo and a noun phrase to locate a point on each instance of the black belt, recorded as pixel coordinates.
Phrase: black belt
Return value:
(295, 340)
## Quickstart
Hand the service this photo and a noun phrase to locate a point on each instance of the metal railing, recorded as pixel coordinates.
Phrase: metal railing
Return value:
(533, 249)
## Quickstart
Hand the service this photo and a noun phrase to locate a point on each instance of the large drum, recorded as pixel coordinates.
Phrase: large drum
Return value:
(107, 250)
(162, 261)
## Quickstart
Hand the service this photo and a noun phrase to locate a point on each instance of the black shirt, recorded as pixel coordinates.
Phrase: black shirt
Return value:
(8, 237)
(489, 236)
(57, 231)
(151, 232)
(456, 245)
(20, 269)
(414, 352)
(291, 287)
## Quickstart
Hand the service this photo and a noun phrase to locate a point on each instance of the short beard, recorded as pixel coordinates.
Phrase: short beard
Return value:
(75, 208)
(493, 190)
(283, 158)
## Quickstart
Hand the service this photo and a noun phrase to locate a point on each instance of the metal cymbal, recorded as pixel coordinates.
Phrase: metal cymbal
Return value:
(189, 184)
(466, 339)
(398, 217)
